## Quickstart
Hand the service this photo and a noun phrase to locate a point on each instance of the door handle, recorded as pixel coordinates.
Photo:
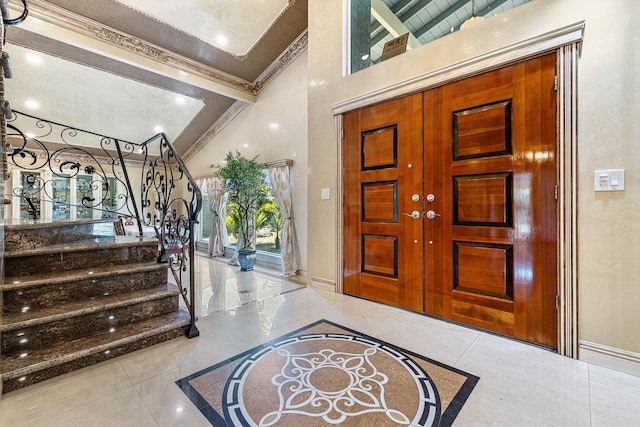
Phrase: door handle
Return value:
(431, 214)
(414, 214)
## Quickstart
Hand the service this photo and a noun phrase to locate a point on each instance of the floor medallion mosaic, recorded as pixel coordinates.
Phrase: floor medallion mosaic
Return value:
(326, 374)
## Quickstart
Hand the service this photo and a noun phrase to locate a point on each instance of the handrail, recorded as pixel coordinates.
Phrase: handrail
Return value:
(64, 152)
(178, 215)
(5, 13)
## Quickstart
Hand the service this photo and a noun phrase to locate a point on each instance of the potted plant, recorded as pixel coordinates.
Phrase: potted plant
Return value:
(244, 184)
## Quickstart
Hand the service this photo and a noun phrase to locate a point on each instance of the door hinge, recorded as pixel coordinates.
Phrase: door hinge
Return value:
(555, 192)
(342, 133)
(555, 83)
(557, 302)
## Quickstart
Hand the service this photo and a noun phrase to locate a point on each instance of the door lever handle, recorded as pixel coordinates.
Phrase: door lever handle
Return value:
(431, 214)
(414, 214)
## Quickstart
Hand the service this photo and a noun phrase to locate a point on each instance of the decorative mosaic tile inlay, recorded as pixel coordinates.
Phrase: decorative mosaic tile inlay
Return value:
(325, 374)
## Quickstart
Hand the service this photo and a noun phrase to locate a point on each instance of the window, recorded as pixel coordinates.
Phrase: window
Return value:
(373, 23)
(60, 197)
(269, 222)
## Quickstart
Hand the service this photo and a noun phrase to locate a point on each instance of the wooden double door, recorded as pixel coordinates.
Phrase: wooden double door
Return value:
(450, 202)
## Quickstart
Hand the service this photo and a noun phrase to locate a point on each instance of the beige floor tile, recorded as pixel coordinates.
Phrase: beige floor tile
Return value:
(42, 401)
(553, 396)
(614, 406)
(189, 355)
(429, 337)
(480, 412)
(123, 408)
(619, 380)
(168, 404)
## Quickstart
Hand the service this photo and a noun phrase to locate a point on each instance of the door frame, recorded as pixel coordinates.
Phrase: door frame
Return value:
(565, 42)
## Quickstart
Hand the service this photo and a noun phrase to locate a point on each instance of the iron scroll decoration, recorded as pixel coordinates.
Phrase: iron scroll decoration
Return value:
(159, 205)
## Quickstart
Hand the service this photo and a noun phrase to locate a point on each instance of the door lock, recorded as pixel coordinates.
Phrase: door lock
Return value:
(430, 197)
(414, 214)
(431, 214)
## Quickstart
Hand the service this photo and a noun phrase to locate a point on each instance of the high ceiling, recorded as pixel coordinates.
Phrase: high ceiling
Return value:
(132, 68)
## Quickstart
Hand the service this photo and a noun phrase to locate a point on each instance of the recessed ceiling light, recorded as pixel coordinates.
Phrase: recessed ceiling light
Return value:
(180, 100)
(274, 126)
(158, 129)
(222, 40)
(32, 104)
(34, 59)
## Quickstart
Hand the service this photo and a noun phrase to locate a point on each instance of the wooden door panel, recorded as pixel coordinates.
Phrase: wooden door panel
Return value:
(483, 270)
(380, 255)
(380, 148)
(382, 247)
(484, 148)
(482, 131)
(483, 200)
(379, 201)
(493, 263)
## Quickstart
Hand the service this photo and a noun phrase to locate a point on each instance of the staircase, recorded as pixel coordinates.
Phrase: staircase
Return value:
(74, 294)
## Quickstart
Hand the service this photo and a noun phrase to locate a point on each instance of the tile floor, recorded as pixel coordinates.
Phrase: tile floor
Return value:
(520, 385)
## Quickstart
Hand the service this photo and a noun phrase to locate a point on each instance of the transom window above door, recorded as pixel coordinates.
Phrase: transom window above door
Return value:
(374, 23)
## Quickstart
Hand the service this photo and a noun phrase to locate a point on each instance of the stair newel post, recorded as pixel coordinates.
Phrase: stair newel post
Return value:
(194, 210)
(192, 331)
(129, 187)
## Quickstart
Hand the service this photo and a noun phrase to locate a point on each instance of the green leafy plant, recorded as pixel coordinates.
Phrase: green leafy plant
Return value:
(244, 183)
(269, 215)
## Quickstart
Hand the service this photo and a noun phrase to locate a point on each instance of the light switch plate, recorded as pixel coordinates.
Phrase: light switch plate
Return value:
(325, 193)
(608, 180)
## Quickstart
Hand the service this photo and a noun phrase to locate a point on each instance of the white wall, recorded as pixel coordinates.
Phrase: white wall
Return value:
(609, 137)
(283, 102)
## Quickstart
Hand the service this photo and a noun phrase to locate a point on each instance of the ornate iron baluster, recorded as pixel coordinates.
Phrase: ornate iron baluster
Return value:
(172, 216)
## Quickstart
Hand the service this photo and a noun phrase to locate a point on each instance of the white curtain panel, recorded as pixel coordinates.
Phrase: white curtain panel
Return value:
(217, 205)
(281, 187)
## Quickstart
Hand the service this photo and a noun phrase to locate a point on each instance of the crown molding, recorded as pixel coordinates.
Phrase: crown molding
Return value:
(239, 57)
(79, 24)
(295, 49)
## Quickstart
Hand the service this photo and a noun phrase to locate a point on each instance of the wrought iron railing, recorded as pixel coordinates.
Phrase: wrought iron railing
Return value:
(5, 72)
(169, 199)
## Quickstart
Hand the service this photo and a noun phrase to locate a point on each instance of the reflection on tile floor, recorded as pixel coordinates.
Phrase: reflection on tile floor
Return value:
(520, 385)
(220, 286)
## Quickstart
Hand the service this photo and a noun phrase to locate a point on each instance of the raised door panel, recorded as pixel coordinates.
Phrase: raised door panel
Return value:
(382, 250)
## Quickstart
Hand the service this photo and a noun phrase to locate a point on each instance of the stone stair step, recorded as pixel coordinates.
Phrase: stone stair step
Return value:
(46, 290)
(29, 236)
(33, 329)
(67, 356)
(99, 252)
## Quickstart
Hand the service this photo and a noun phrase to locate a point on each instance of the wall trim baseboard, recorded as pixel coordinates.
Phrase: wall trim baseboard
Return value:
(609, 357)
(324, 284)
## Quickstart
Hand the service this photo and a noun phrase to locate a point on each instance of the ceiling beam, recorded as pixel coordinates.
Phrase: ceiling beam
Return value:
(392, 23)
(441, 17)
(403, 17)
(493, 5)
(396, 8)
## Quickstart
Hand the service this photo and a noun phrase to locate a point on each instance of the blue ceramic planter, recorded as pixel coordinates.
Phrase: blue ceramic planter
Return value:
(246, 259)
